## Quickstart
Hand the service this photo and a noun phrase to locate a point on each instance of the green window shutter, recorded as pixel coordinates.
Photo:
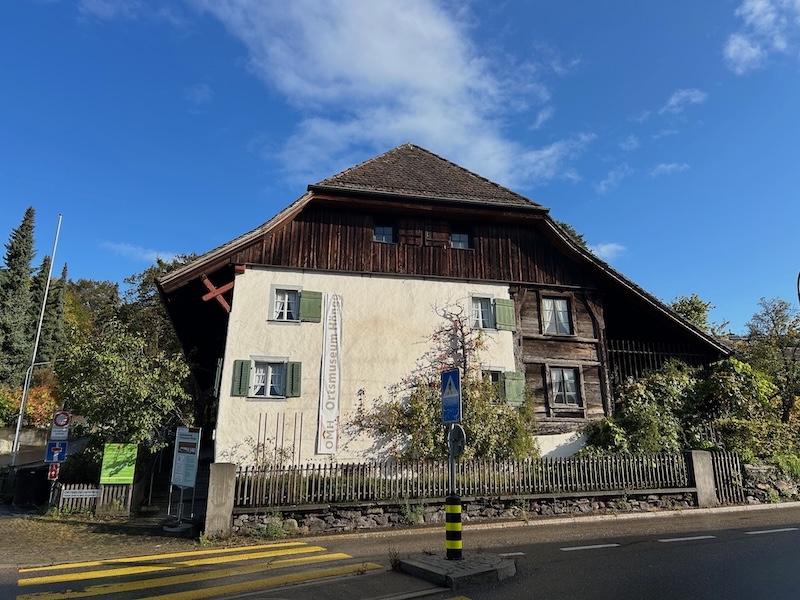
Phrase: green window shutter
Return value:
(504, 317)
(311, 306)
(294, 375)
(218, 378)
(241, 378)
(514, 388)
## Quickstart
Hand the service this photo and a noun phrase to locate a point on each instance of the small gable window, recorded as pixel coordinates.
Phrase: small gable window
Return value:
(384, 233)
(459, 240)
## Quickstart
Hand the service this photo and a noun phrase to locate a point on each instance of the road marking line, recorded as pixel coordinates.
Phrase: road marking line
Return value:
(269, 582)
(688, 539)
(149, 557)
(121, 588)
(64, 577)
(771, 531)
(571, 548)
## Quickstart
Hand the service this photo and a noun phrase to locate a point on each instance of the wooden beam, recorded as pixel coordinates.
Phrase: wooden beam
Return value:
(215, 292)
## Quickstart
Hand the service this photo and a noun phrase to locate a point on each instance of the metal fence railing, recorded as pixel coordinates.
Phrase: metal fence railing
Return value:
(391, 480)
(728, 478)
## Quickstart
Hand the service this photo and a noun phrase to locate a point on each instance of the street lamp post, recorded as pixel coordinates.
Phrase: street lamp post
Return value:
(29, 372)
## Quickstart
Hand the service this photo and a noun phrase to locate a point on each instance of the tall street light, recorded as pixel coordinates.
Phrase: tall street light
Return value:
(29, 372)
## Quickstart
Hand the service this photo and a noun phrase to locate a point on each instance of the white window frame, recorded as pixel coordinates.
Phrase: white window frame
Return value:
(273, 383)
(576, 392)
(282, 316)
(489, 322)
(552, 315)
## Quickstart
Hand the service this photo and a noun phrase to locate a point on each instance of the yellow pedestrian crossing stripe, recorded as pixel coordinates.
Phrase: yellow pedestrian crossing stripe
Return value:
(124, 576)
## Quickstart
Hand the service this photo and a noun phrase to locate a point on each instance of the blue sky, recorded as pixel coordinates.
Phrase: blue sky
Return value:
(665, 132)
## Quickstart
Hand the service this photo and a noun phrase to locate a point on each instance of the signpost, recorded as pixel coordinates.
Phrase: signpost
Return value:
(56, 452)
(53, 470)
(456, 440)
(59, 430)
(184, 466)
(451, 397)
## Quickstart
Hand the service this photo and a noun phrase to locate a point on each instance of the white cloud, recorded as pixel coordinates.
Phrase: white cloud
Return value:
(664, 133)
(130, 10)
(767, 26)
(680, 99)
(743, 54)
(543, 116)
(613, 179)
(668, 169)
(366, 76)
(200, 94)
(138, 253)
(607, 251)
(108, 10)
(629, 143)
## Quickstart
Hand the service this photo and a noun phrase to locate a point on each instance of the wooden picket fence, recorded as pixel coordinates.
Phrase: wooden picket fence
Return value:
(378, 481)
(105, 499)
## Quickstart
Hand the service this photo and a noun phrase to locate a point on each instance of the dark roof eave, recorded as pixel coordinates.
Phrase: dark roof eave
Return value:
(646, 296)
(421, 199)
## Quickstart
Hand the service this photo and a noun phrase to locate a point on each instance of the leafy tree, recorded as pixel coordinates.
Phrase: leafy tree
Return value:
(408, 424)
(124, 391)
(89, 305)
(773, 347)
(573, 233)
(694, 310)
(15, 300)
(144, 311)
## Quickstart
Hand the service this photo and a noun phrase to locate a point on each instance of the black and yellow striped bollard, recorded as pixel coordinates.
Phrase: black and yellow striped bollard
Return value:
(452, 507)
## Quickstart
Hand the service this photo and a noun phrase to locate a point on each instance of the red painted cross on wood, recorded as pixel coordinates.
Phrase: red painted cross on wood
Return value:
(216, 292)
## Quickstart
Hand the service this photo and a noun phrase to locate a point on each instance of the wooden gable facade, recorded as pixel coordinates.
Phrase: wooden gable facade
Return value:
(412, 214)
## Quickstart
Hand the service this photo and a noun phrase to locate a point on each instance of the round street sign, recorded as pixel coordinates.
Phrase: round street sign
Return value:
(61, 418)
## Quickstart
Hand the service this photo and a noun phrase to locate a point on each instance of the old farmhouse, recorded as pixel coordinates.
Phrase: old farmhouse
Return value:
(336, 294)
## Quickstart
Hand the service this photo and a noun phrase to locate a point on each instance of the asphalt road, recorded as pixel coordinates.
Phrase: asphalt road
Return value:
(719, 555)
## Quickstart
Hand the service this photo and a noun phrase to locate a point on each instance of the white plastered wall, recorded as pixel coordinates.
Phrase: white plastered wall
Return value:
(385, 325)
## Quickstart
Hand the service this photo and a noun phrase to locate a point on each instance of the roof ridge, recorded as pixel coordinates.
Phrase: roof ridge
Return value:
(411, 170)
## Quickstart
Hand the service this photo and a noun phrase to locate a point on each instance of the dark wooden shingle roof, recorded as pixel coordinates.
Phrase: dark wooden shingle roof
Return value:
(409, 170)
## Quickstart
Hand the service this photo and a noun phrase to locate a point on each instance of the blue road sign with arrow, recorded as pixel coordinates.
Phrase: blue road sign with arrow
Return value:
(451, 396)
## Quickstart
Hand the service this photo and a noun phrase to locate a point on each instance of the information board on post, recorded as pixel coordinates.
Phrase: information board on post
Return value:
(451, 396)
(185, 457)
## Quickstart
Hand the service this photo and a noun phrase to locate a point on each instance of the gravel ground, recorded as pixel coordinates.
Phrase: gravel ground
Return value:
(28, 539)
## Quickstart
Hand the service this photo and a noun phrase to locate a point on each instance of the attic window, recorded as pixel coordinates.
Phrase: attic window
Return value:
(460, 240)
(384, 233)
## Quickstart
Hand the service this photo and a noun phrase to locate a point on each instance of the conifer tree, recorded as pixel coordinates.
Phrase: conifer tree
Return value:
(15, 300)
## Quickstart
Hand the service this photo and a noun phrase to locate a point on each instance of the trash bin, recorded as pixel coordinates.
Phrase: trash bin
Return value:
(31, 487)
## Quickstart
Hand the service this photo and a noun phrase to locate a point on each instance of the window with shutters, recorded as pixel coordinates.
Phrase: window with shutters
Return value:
(556, 318)
(293, 304)
(266, 378)
(491, 313)
(508, 386)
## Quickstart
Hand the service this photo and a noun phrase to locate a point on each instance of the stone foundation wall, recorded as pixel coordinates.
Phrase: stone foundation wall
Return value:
(360, 517)
(767, 485)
